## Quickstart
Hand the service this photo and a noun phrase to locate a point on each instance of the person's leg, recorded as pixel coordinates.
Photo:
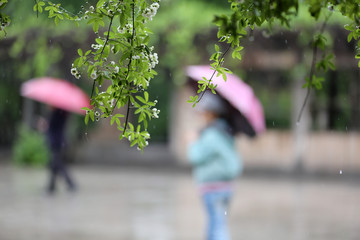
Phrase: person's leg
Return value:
(65, 174)
(216, 204)
(53, 171)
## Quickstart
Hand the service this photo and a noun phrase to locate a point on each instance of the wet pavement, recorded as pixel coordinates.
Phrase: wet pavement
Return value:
(131, 203)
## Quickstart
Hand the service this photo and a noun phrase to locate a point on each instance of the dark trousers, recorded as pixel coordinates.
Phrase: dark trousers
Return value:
(58, 169)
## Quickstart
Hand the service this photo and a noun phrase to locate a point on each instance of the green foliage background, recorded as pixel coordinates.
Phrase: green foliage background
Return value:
(30, 148)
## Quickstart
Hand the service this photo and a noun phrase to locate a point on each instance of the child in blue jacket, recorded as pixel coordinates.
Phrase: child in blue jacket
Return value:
(215, 165)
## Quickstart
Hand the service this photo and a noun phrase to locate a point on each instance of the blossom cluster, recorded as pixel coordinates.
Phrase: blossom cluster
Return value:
(151, 11)
(96, 46)
(94, 75)
(155, 112)
(4, 25)
(126, 29)
(146, 137)
(75, 72)
(153, 57)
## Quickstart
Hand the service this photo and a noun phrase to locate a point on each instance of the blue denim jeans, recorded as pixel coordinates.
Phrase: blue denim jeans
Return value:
(216, 204)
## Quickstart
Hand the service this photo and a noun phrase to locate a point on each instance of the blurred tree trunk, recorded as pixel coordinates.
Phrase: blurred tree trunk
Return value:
(300, 129)
(332, 107)
(354, 101)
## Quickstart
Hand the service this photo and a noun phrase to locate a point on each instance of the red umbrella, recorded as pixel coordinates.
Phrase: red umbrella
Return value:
(236, 92)
(56, 92)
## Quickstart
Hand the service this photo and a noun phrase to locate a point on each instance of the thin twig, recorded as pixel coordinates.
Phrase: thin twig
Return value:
(213, 74)
(130, 61)
(312, 69)
(127, 115)
(92, 90)
(107, 37)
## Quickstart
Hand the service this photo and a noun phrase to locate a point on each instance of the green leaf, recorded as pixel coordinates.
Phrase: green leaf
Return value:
(100, 3)
(224, 76)
(80, 52)
(56, 20)
(349, 27)
(92, 115)
(96, 27)
(134, 142)
(118, 123)
(141, 99)
(87, 119)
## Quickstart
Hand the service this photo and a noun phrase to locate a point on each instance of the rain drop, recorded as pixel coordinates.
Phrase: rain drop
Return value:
(225, 213)
(298, 123)
(273, 123)
(340, 172)
(286, 41)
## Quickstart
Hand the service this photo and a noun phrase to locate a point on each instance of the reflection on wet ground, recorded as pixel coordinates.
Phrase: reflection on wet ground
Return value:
(137, 203)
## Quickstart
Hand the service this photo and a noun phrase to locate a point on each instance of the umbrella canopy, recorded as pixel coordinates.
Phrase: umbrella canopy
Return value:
(56, 92)
(237, 93)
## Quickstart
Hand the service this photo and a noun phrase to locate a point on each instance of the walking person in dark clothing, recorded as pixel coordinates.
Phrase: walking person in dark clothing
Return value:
(56, 140)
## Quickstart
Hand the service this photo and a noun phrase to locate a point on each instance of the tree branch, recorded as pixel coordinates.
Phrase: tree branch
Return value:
(221, 62)
(312, 69)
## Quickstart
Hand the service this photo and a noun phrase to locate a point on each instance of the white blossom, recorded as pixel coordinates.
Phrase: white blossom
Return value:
(94, 75)
(155, 6)
(149, 13)
(155, 113)
(153, 58)
(116, 69)
(121, 30)
(74, 71)
(96, 46)
(128, 26)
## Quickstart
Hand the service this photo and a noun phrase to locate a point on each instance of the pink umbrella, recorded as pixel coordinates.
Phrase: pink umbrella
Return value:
(236, 92)
(56, 92)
